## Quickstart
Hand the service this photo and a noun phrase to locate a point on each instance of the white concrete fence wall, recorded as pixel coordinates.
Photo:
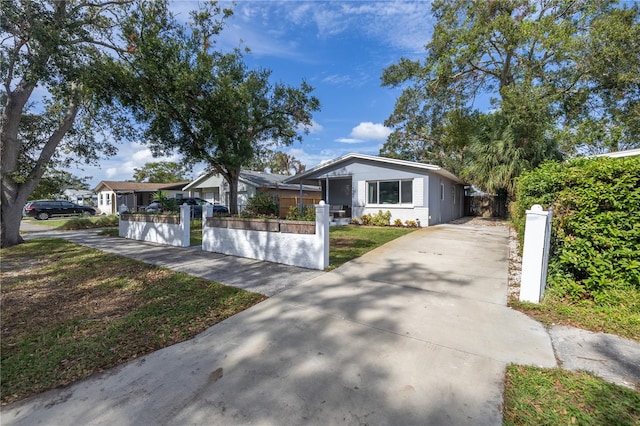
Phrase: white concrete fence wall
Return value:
(535, 254)
(158, 232)
(304, 250)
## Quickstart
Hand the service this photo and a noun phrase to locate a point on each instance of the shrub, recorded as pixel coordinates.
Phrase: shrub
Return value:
(397, 222)
(262, 204)
(105, 221)
(166, 204)
(378, 219)
(355, 221)
(410, 223)
(308, 213)
(365, 219)
(596, 237)
(381, 219)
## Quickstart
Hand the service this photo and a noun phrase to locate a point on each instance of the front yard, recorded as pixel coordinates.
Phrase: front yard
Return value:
(69, 311)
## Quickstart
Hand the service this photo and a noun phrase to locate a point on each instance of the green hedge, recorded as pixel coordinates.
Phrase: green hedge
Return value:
(595, 251)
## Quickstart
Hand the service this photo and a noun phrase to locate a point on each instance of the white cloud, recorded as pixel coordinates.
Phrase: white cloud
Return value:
(111, 172)
(349, 140)
(370, 131)
(313, 128)
(403, 25)
(308, 159)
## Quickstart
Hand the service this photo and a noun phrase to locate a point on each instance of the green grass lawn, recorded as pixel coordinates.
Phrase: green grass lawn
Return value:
(349, 242)
(78, 222)
(69, 311)
(621, 319)
(536, 396)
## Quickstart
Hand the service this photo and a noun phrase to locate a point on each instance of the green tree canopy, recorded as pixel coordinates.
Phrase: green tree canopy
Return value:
(161, 172)
(560, 72)
(57, 47)
(207, 105)
(54, 182)
(277, 162)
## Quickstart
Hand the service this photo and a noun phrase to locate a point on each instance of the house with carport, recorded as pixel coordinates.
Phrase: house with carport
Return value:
(214, 188)
(135, 195)
(358, 184)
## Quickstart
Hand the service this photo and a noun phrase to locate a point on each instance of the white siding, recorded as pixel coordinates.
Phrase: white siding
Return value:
(418, 192)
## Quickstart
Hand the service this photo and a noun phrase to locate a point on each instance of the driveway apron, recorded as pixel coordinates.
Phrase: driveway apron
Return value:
(414, 332)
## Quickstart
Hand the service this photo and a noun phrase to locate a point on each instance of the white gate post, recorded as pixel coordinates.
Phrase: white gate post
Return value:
(322, 231)
(185, 224)
(535, 254)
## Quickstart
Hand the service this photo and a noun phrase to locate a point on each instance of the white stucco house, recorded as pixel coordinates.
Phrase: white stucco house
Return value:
(214, 188)
(80, 196)
(135, 195)
(365, 184)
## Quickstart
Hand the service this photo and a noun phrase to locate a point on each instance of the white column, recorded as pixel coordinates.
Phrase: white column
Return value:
(535, 255)
(322, 231)
(185, 224)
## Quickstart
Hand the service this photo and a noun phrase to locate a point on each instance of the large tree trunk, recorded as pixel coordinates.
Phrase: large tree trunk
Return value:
(11, 211)
(13, 194)
(233, 177)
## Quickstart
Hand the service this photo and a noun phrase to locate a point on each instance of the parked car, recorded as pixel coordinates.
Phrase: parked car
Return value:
(44, 209)
(196, 209)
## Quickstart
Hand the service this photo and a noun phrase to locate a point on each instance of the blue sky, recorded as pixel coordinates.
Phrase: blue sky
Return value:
(340, 48)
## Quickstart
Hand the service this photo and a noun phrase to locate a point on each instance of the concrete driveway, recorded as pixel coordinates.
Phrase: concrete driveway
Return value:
(415, 332)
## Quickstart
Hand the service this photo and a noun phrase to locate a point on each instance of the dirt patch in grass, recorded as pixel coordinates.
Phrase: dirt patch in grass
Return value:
(69, 311)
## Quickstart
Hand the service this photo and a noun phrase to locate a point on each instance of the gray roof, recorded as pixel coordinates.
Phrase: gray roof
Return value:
(317, 171)
(260, 180)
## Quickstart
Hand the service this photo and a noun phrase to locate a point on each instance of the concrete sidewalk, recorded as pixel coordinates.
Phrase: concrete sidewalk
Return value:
(253, 275)
(414, 332)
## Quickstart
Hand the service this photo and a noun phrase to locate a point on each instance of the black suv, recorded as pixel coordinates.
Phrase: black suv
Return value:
(44, 209)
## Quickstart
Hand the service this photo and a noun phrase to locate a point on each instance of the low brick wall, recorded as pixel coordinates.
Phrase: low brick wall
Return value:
(163, 229)
(304, 244)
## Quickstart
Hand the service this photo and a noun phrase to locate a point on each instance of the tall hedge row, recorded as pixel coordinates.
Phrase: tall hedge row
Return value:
(596, 225)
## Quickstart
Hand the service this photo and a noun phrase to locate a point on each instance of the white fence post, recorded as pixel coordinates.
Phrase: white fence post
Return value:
(185, 224)
(535, 254)
(322, 231)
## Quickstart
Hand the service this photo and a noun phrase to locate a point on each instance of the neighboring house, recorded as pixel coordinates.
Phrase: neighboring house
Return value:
(135, 195)
(214, 188)
(357, 184)
(620, 154)
(80, 196)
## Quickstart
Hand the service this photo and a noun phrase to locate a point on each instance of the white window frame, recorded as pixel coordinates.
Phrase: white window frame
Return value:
(399, 203)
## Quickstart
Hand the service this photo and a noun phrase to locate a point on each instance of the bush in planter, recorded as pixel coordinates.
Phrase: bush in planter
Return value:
(262, 204)
(166, 204)
(308, 213)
